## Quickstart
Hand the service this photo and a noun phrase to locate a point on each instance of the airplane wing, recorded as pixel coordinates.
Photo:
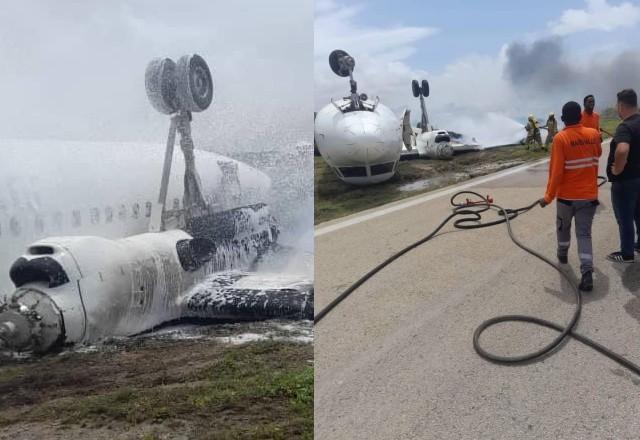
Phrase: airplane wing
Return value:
(243, 296)
(459, 147)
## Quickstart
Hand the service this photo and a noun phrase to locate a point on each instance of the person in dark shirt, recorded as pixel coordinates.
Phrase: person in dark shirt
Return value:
(623, 170)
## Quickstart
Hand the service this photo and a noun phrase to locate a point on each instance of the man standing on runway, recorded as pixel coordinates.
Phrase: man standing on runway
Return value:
(573, 176)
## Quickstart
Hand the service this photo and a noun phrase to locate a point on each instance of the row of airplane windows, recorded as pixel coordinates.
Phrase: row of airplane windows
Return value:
(15, 228)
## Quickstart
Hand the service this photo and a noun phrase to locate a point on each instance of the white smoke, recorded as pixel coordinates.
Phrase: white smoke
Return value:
(487, 129)
(480, 94)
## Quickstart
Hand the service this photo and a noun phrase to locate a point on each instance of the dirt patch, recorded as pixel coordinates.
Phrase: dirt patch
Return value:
(153, 389)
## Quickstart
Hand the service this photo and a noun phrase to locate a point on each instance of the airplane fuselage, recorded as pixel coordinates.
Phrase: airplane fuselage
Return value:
(361, 146)
(50, 188)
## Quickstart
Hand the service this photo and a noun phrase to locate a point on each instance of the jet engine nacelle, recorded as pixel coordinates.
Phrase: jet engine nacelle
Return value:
(361, 146)
(80, 289)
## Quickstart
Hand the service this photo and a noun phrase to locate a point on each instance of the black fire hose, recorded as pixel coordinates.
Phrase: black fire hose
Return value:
(471, 219)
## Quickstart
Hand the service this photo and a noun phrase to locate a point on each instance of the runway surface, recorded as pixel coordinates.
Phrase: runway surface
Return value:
(395, 359)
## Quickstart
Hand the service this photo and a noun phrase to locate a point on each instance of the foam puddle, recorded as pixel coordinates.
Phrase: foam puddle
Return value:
(228, 334)
(239, 333)
(301, 332)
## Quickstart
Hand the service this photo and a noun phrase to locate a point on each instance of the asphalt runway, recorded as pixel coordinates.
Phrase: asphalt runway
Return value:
(395, 359)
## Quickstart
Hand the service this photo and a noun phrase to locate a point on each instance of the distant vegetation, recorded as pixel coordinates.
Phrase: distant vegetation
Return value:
(609, 113)
(609, 120)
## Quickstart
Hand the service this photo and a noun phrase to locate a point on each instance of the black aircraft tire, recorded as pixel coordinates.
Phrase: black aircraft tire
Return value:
(194, 83)
(335, 63)
(425, 88)
(160, 83)
(415, 87)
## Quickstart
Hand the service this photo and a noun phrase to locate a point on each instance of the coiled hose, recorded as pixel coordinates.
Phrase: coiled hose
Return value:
(471, 211)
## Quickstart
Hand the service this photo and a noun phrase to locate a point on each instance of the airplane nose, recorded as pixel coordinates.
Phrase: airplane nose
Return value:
(30, 322)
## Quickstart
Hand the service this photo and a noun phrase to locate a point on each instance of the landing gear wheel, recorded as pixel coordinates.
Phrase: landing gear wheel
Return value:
(340, 62)
(415, 86)
(425, 88)
(160, 82)
(194, 83)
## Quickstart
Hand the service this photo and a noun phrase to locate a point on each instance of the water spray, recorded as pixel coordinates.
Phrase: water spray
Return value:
(79, 289)
(178, 90)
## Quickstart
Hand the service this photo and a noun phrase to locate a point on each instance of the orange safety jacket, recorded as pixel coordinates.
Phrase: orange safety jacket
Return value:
(590, 120)
(573, 169)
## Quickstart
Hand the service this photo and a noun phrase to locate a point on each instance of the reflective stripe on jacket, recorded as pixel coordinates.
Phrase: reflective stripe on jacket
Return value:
(573, 169)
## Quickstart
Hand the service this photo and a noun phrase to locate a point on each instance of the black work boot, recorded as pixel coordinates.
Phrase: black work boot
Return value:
(586, 283)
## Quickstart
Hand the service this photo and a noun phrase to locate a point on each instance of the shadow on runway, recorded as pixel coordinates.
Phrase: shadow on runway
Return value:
(566, 294)
(631, 281)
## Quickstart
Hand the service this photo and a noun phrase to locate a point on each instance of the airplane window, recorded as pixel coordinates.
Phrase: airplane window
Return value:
(14, 226)
(39, 224)
(95, 216)
(382, 168)
(122, 213)
(135, 210)
(147, 206)
(108, 214)
(353, 171)
(77, 218)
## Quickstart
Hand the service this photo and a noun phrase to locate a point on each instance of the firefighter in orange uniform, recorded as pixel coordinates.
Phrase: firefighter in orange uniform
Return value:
(573, 176)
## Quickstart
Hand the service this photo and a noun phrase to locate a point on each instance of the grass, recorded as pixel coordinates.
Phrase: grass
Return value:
(609, 120)
(10, 373)
(260, 391)
(334, 198)
(610, 125)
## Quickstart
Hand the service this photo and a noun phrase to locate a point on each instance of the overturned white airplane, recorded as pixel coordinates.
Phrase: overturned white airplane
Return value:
(86, 281)
(359, 138)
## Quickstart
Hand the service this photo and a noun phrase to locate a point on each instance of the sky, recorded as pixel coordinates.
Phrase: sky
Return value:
(74, 70)
(487, 62)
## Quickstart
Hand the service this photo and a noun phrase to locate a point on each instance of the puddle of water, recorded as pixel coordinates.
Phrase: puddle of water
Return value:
(453, 178)
(434, 182)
